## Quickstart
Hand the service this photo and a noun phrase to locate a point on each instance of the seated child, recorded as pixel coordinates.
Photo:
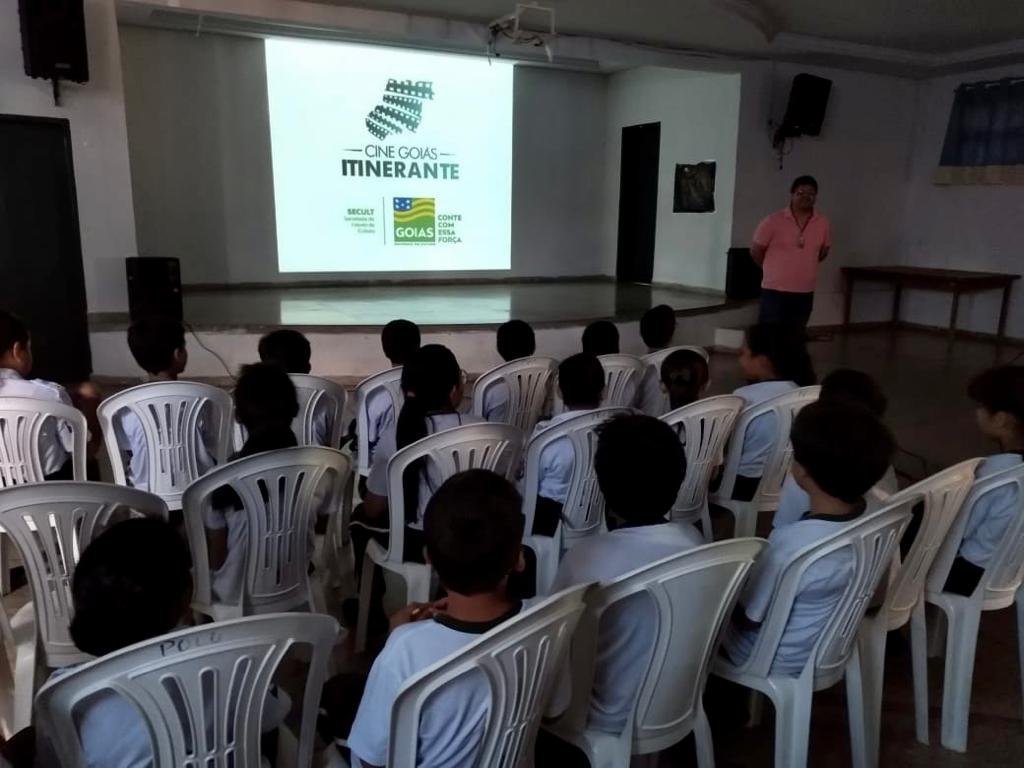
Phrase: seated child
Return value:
(581, 382)
(657, 327)
(290, 350)
(683, 378)
(55, 439)
(601, 337)
(265, 405)
(853, 388)
(839, 453)
(158, 346)
(473, 528)
(999, 398)
(515, 341)
(640, 465)
(774, 361)
(400, 339)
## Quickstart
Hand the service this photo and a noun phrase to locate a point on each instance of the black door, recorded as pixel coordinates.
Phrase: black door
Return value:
(40, 249)
(638, 202)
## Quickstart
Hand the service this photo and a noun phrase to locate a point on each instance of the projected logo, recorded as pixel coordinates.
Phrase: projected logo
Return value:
(414, 221)
(401, 108)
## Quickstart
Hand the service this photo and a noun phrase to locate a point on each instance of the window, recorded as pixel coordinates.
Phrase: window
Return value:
(985, 136)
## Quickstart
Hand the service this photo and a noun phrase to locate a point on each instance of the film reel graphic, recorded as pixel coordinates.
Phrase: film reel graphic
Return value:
(401, 109)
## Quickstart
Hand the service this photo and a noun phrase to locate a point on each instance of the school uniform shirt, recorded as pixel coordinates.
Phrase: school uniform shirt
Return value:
(131, 439)
(820, 589)
(992, 513)
(380, 415)
(453, 721)
(430, 478)
(55, 440)
(556, 460)
(759, 438)
(794, 501)
(625, 636)
(496, 399)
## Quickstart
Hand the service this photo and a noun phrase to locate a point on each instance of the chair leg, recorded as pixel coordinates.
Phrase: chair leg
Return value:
(956, 690)
(859, 681)
(792, 726)
(866, 686)
(705, 523)
(746, 520)
(24, 685)
(1019, 602)
(365, 592)
(702, 738)
(919, 666)
(5, 564)
(755, 709)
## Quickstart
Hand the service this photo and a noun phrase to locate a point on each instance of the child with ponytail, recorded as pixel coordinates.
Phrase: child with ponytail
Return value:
(684, 377)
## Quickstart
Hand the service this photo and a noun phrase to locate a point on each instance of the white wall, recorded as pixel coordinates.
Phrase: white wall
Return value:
(698, 112)
(200, 145)
(959, 227)
(96, 114)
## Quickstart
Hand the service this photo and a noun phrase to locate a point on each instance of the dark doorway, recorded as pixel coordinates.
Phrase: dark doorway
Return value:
(638, 202)
(40, 249)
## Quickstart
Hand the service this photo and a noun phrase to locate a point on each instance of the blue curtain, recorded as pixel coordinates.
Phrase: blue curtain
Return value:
(986, 125)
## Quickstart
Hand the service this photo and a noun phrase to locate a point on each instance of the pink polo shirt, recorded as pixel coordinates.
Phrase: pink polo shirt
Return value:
(788, 265)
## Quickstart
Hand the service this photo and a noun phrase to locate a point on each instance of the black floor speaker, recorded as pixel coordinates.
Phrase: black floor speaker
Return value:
(742, 276)
(154, 287)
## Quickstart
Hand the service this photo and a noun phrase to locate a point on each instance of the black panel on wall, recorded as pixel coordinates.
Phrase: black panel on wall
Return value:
(40, 249)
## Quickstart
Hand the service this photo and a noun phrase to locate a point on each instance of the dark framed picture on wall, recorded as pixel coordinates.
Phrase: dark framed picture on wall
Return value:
(694, 188)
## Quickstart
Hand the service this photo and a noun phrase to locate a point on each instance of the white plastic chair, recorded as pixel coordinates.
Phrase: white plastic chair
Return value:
(51, 524)
(706, 425)
(943, 495)
(622, 376)
(518, 662)
(170, 413)
(998, 588)
(496, 447)
(315, 394)
(693, 595)
(785, 407)
(873, 540)
(199, 693)
(653, 361)
(389, 381)
(280, 492)
(529, 382)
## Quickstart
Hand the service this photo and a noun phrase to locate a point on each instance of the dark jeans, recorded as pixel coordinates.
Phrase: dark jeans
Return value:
(786, 308)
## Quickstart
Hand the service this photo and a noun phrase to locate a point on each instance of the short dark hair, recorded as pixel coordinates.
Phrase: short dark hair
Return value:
(264, 397)
(658, 326)
(601, 337)
(785, 346)
(473, 526)
(153, 340)
(1000, 389)
(131, 584)
(685, 374)
(803, 181)
(843, 447)
(516, 340)
(288, 348)
(12, 331)
(640, 464)
(581, 380)
(399, 339)
(855, 387)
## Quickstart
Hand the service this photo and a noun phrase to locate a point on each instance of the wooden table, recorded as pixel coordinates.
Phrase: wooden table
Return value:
(953, 281)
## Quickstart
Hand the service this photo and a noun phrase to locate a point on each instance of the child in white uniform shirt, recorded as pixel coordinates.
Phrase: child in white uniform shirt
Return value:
(774, 360)
(999, 398)
(473, 528)
(581, 382)
(839, 452)
(290, 350)
(158, 346)
(515, 340)
(55, 439)
(640, 465)
(657, 327)
(683, 378)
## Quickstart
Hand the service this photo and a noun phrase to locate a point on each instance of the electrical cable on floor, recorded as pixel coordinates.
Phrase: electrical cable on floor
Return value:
(199, 341)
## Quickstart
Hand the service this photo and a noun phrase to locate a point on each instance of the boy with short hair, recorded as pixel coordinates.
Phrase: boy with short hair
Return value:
(516, 340)
(400, 339)
(839, 453)
(290, 350)
(640, 466)
(601, 337)
(473, 526)
(657, 327)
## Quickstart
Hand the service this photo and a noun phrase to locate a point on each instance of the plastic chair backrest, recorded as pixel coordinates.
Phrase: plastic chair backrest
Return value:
(706, 425)
(316, 393)
(655, 359)
(390, 382)
(874, 540)
(51, 525)
(1005, 571)
(529, 383)
(22, 421)
(943, 495)
(784, 407)
(280, 492)
(622, 376)
(583, 510)
(170, 413)
(518, 662)
(496, 447)
(199, 693)
(693, 594)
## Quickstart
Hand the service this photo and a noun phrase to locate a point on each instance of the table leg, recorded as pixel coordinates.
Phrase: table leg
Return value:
(1001, 333)
(897, 295)
(952, 315)
(847, 302)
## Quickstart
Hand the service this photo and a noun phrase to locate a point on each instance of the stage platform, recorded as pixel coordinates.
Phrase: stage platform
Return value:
(344, 322)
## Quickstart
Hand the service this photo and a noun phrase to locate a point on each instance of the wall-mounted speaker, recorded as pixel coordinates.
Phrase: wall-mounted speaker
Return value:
(808, 100)
(154, 287)
(53, 39)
